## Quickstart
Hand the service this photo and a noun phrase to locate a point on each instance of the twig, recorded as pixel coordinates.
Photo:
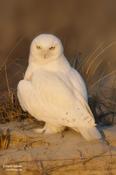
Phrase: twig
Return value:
(106, 76)
(11, 51)
(107, 47)
(7, 81)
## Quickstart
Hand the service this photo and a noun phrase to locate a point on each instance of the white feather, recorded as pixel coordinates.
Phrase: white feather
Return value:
(54, 92)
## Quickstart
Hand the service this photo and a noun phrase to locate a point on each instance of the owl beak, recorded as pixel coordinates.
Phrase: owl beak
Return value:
(45, 55)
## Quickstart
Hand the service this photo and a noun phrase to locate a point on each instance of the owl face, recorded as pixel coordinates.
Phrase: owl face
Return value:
(46, 48)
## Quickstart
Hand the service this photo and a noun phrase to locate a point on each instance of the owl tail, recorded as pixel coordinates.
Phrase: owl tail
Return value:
(90, 133)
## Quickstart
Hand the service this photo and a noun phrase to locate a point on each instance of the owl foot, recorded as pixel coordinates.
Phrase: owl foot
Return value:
(49, 129)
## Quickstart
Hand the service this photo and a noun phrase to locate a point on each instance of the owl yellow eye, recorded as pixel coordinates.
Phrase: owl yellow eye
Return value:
(38, 47)
(52, 48)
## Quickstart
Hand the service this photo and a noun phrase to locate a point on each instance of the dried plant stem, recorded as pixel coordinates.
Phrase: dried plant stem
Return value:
(87, 59)
(107, 47)
(94, 52)
(106, 76)
(11, 51)
(7, 81)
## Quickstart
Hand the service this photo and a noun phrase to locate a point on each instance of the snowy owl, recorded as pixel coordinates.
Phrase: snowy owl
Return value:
(55, 92)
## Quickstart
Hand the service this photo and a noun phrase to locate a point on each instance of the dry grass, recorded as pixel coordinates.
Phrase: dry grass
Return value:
(4, 139)
(10, 109)
(102, 105)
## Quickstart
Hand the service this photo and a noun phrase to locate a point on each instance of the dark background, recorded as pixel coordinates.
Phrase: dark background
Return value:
(82, 26)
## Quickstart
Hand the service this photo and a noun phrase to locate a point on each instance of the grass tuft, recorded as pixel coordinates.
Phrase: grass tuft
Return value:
(10, 109)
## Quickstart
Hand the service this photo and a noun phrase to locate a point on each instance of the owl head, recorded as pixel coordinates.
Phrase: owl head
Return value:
(45, 48)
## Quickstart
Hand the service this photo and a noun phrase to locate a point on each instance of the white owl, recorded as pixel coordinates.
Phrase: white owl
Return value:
(54, 92)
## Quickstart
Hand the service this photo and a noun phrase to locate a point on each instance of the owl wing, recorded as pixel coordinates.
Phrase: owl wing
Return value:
(78, 83)
(62, 105)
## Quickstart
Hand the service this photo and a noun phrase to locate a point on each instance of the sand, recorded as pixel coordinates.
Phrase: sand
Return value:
(25, 152)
